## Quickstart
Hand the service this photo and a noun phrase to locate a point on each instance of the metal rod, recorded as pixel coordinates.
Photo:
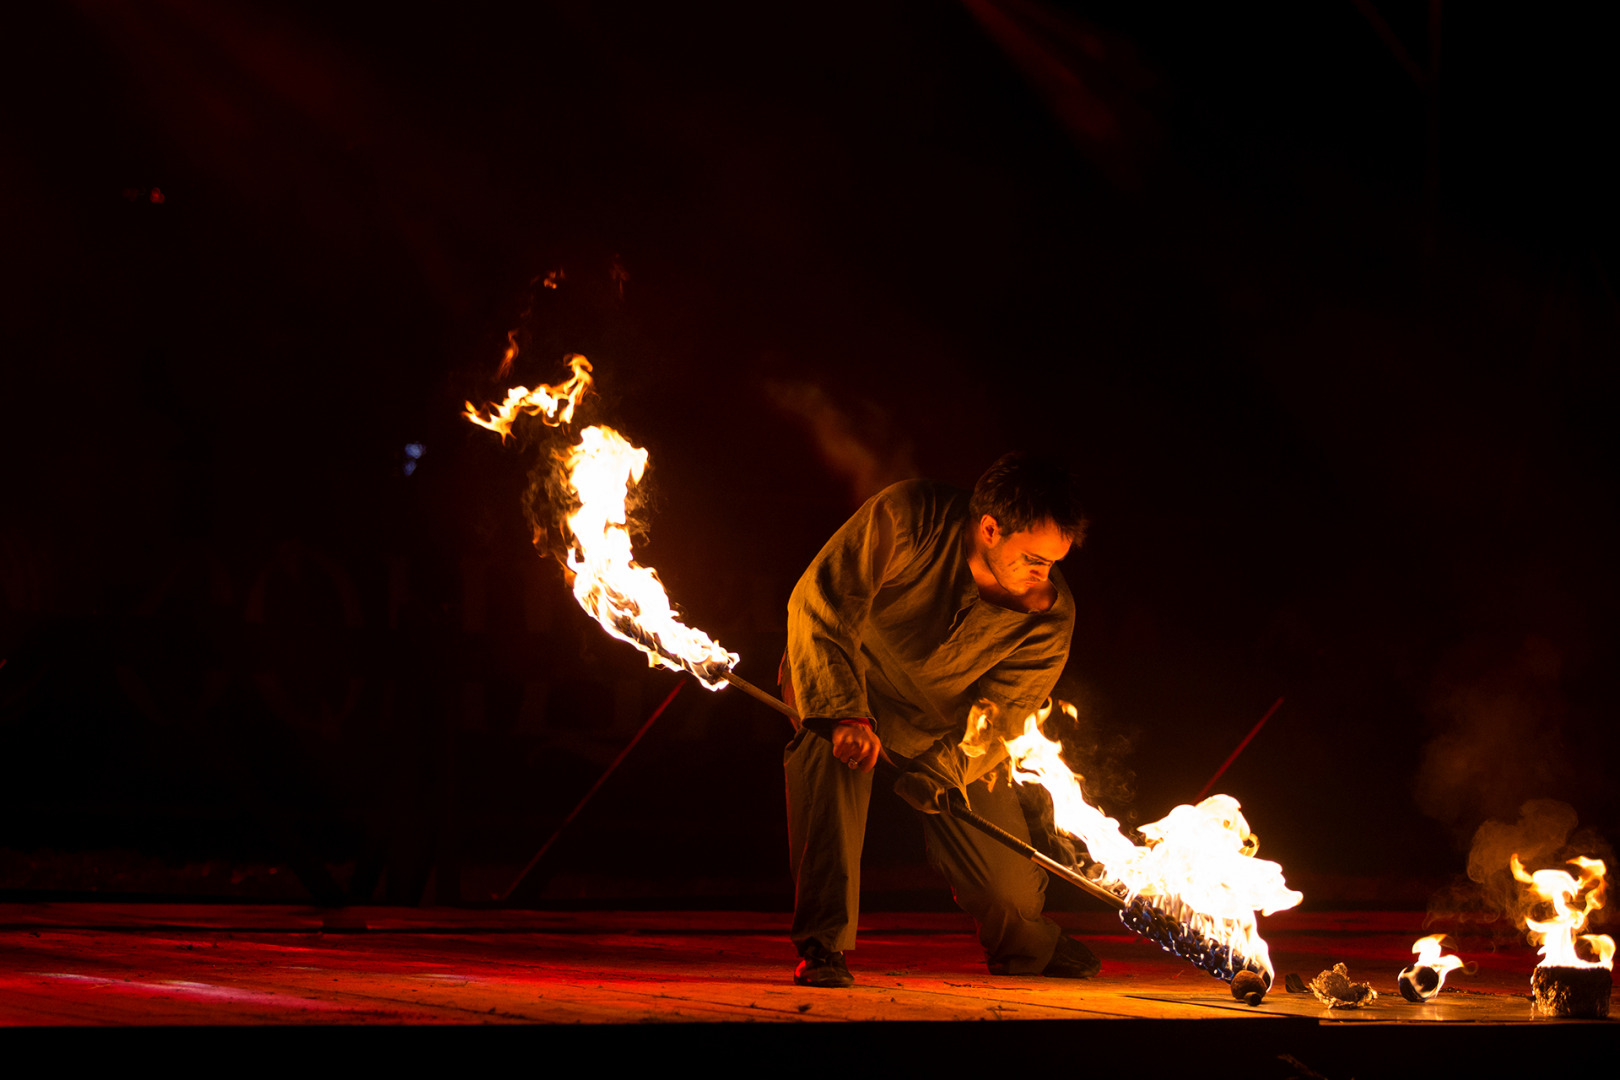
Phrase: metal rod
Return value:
(755, 692)
(1275, 705)
(788, 711)
(600, 780)
(959, 810)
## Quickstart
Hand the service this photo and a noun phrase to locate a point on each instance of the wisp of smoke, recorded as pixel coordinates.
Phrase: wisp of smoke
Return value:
(1545, 835)
(862, 449)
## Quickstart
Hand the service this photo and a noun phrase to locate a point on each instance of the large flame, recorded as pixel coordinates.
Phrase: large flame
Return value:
(1196, 867)
(624, 596)
(599, 472)
(1572, 901)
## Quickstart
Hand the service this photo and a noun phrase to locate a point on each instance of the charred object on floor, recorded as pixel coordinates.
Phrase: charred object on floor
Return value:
(1575, 992)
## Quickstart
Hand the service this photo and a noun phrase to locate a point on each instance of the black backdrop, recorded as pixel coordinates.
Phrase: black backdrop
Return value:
(1330, 338)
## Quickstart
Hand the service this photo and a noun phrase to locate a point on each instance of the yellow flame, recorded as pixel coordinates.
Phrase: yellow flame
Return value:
(1572, 902)
(622, 595)
(600, 471)
(1429, 956)
(1197, 865)
(552, 404)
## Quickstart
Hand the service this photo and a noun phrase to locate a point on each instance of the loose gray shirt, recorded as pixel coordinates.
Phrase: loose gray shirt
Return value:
(888, 623)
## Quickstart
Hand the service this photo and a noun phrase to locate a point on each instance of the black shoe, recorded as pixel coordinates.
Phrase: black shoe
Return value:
(1071, 960)
(822, 967)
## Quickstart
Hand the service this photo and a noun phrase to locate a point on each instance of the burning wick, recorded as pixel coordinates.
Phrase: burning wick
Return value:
(1422, 981)
(1565, 983)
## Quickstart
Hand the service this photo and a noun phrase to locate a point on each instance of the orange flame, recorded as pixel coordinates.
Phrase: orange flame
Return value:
(1197, 865)
(506, 358)
(624, 596)
(1414, 980)
(600, 471)
(553, 404)
(1572, 902)
(1429, 956)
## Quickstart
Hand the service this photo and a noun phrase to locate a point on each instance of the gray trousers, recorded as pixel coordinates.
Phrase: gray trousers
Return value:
(1004, 892)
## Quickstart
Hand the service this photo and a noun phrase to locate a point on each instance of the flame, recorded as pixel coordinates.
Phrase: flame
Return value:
(599, 472)
(1197, 866)
(624, 596)
(1414, 986)
(1428, 955)
(1572, 902)
(553, 404)
(506, 358)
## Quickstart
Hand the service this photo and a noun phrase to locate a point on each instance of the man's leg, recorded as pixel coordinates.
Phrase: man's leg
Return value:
(1003, 891)
(827, 804)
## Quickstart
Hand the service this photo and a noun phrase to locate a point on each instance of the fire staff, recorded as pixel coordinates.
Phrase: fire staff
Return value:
(925, 602)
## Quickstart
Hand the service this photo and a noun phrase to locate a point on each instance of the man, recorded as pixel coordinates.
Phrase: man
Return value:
(924, 603)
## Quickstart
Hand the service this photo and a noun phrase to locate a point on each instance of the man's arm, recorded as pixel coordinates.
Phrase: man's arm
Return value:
(828, 614)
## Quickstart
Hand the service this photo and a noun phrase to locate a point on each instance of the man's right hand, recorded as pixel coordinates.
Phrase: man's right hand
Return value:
(856, 744)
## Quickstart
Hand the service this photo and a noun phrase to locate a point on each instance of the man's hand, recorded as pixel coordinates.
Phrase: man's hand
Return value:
(856, 744)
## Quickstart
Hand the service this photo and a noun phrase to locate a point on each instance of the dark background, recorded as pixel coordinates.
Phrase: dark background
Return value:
(1317, 298)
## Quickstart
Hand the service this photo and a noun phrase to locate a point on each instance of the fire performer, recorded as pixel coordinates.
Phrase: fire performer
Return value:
(925, 602)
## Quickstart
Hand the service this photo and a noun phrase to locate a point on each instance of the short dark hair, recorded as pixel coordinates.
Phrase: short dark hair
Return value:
(1022, 490)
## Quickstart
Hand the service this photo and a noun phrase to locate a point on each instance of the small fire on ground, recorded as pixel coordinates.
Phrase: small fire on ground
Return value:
(1575, 974)
(1424, 979)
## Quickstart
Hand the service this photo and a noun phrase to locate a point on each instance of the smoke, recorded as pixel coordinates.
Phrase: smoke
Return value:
(1501, 713)
(1544, 835)
(1538, 838)
(856, 443)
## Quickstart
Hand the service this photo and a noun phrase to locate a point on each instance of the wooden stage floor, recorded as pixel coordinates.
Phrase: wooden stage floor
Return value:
(704, 981)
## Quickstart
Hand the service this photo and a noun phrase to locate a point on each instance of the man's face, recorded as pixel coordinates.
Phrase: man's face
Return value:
(1022, 561)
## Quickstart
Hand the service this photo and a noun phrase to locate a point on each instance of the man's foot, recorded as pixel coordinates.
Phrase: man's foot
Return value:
(822, 967)
(1071, 960)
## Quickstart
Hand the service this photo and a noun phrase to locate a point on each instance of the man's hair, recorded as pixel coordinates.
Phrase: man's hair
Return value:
(1022, 490)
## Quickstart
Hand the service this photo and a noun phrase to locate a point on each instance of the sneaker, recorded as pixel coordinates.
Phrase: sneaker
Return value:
(1071, 960)
(822, 967)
